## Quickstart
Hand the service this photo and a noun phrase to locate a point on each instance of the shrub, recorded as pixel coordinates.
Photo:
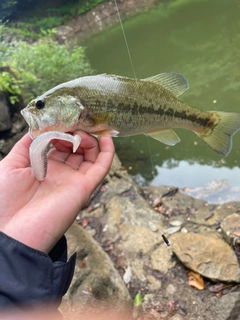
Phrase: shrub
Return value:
(44, 64)
(10, 85)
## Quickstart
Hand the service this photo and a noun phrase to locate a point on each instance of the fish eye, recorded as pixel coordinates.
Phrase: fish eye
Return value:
(40, 104)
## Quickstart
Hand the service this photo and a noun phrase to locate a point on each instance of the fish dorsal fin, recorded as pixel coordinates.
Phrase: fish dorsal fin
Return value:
(167, 136)
(172, 81)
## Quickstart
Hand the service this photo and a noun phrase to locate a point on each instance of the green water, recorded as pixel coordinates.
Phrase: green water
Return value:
(201, 40)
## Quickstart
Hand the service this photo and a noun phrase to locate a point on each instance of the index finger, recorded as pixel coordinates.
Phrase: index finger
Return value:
(89, 146)
(97, 172)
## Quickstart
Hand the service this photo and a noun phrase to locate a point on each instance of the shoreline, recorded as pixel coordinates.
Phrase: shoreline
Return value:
(101, 18)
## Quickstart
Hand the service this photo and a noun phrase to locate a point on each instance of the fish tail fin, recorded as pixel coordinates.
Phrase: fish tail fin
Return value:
(220, 137)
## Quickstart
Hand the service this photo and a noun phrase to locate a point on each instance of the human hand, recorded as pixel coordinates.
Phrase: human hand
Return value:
(38, 213)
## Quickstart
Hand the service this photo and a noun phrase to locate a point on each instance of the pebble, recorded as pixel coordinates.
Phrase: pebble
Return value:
(105, 228)
(172, 230)
(176, 223)
(127, 275)
(171, 289)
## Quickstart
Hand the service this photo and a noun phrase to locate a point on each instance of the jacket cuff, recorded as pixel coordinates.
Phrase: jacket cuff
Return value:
(29, 277)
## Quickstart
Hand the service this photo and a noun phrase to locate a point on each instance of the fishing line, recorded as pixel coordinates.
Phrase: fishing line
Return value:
(133, 69)
(125, 39)
(167, 242)
(150, 152)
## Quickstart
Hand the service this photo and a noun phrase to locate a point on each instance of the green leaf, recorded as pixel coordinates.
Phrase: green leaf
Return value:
(137, 300)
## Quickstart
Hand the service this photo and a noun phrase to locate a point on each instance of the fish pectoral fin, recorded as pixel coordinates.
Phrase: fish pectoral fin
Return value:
(167, 136)
(103, 117)
(175, 82)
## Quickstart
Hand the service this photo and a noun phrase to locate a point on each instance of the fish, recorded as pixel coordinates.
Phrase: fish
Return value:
(121, 106)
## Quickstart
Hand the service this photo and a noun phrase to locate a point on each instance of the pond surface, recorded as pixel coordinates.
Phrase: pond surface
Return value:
(201, 40)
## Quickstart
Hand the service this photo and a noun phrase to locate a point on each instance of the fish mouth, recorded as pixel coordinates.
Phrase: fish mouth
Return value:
(32, 121)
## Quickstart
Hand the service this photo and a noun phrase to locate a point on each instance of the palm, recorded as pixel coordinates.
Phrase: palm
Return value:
(43, 211)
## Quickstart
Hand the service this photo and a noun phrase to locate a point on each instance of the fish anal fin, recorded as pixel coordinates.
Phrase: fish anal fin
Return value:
(175, 82)
(167, 136)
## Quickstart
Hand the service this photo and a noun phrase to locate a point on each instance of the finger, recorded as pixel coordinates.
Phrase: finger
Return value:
(89, 146)
(87, 152)
(19, 155)
(61, 145)
(98, 171)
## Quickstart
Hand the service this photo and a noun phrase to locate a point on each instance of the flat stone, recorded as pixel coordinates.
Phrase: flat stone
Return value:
(208, 256)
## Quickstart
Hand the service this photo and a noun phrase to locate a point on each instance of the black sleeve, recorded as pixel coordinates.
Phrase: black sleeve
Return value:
(29, 277)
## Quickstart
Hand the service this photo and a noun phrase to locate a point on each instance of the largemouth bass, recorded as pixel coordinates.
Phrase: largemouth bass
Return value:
(120, 106)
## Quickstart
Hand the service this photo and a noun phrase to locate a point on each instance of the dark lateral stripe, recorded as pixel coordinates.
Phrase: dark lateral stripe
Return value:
(202, 121)
(136, 109)
(162, 110)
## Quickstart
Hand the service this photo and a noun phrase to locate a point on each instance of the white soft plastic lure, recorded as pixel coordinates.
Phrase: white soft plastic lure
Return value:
(38, 150)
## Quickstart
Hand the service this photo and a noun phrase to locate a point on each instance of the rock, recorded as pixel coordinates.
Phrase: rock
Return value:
(137, 267)
(161, 259)
(176, 223)
(128, 228)
(231, 227)
(226, 308)
(153, 283)
(5, 119)
(210, 257)
(209, 193)
(138, 239)
(184, 230)
(172, 230)
(95, 278)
